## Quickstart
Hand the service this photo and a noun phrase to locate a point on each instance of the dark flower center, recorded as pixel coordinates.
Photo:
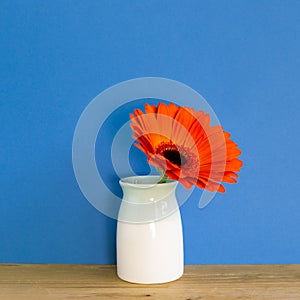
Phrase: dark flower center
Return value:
(175, 157)
(171, 153)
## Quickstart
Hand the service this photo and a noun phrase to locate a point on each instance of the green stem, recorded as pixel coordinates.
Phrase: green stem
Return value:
(163, 178)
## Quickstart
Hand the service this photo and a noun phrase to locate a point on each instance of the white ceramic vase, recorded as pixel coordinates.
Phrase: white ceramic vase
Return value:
(149, 232)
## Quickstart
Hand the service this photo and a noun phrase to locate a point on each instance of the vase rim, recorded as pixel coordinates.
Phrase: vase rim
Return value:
(144, 181)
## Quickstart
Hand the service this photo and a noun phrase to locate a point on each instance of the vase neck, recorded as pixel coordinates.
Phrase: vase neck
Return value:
(144, 200)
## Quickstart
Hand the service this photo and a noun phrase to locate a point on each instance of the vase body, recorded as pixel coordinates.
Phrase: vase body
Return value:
(149, 232)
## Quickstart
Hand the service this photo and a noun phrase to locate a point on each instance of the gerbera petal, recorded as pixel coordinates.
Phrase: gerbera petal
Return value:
(150, 109)
(165, 120)
(181, 125)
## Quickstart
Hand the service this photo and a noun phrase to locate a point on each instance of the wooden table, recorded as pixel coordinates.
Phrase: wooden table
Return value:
(101, 282)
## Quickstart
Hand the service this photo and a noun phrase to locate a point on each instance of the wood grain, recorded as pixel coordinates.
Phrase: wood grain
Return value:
(101, 282)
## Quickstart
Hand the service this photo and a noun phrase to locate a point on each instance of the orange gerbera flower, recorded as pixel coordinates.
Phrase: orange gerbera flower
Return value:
(181, 142)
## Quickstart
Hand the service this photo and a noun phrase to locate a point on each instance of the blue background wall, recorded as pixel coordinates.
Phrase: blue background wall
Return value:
(242, 56)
